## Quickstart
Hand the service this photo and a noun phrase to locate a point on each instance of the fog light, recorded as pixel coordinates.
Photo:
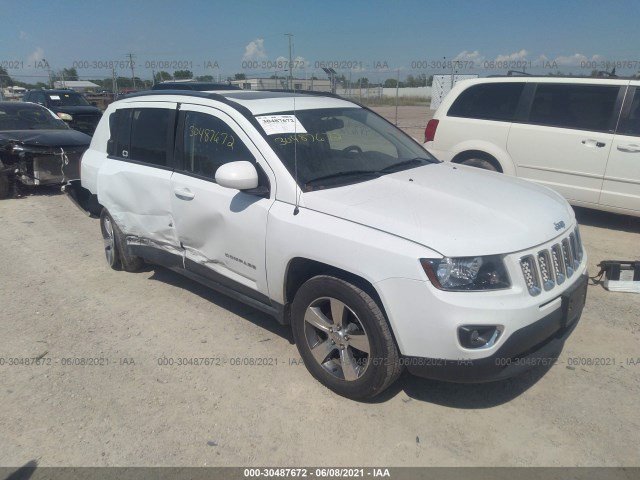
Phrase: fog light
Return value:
(478, 336)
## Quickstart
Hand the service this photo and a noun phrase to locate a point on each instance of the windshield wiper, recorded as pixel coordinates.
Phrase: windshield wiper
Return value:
(352, 173)
(396, 167)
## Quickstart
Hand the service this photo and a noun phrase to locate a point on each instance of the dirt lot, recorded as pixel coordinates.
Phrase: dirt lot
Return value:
(60, 302)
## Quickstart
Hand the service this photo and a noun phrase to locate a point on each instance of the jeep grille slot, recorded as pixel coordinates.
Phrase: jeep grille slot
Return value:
(552, 266)
(546, 270)
(530, 274)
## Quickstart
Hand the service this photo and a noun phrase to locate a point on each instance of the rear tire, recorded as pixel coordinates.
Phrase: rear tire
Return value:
(116, 250)
(344, 338)
(480, 163)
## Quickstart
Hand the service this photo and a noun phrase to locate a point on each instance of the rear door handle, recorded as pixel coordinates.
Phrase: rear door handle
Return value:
(183, 193)
(629, 148)
(593, 143)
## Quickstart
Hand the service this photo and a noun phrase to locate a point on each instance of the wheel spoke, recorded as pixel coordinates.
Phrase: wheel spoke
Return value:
(109, 241)
(322, 350)
(337, 311)
(348, 365)
(359, 342)
(315, 317)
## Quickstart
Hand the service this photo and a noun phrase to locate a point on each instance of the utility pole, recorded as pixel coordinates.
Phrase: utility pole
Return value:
(397, 92)
(114, 84)
(290, 83)
(133, 75)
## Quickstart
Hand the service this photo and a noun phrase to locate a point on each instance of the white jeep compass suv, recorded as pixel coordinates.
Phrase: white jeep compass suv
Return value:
(318, 211)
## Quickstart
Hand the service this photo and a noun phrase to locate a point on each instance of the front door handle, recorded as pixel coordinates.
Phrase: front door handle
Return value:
(629, 148)
(183, 193)
(593, 143)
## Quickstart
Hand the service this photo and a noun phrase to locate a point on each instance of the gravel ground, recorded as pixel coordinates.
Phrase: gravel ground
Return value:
(60, 302)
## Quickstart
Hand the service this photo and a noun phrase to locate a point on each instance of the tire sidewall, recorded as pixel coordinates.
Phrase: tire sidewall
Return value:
(478, 162)
(325, 286)
(115, 264)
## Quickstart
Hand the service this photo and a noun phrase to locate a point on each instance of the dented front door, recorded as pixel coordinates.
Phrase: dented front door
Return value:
(222, 230)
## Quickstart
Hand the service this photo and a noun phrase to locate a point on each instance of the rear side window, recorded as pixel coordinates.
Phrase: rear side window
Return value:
(488, 101)
(583, 107)
(120, 135)
(143, 135)
(630, 124)
(208, 143)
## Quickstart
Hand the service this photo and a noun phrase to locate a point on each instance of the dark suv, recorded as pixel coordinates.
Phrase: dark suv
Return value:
(70, 106)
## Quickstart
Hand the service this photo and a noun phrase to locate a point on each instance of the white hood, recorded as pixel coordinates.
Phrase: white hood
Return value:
(453, 209)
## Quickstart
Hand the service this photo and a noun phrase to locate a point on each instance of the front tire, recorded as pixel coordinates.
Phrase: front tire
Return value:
(344, 338)
(116, 250)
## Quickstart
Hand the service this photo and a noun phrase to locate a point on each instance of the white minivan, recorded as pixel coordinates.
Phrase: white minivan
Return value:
(579, 136)
(321, 213)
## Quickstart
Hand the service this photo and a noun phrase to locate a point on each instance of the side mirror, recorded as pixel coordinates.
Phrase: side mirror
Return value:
(240, 175)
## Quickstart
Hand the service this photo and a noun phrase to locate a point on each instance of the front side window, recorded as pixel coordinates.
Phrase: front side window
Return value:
(583, 107)
(209, 143)
(339, 146)
(488, 101)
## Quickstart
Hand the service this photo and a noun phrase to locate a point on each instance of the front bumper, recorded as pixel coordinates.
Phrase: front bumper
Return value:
(537, 344)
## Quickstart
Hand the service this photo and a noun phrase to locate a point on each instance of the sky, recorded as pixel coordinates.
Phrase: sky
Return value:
(373, 39)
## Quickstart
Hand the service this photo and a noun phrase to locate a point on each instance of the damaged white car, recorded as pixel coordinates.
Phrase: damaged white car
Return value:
(321, 213)
(36, 147)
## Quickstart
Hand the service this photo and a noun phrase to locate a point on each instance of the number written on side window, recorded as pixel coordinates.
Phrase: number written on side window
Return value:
(209, 143)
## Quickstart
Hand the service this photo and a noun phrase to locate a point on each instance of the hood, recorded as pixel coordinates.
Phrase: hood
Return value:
(453, 209)
(46, 138)
(77, 110)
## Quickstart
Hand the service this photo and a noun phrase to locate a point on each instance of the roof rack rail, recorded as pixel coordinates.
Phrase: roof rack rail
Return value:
(301, 92)
(188, 93)
(515, 73)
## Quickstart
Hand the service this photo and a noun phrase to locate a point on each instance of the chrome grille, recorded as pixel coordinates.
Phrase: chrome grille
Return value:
(546, 270)
(552, 266)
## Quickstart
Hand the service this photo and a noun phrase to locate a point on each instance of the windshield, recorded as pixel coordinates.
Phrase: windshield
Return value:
(26, 116)
(68, 100)
(339, 146)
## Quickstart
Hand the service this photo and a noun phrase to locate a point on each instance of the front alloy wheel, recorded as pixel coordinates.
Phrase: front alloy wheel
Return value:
(336, 338)
(343, 337)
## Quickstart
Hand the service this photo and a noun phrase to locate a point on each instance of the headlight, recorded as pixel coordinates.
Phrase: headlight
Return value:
(64, 116)
(467, 273)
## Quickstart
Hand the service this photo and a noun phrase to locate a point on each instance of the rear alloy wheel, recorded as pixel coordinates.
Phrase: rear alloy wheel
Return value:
(343, 338)
(480, 163)
(115, 246)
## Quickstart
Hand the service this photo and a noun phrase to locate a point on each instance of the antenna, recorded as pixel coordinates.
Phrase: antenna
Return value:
(296, 210)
